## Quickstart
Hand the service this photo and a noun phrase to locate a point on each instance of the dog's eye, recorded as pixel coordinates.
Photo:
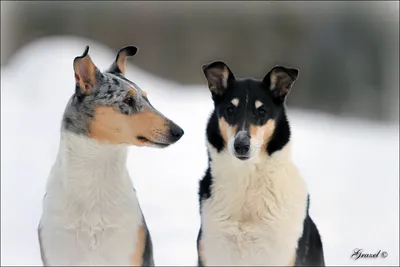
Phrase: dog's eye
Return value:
(128, 101)
(230, 110)
(261, 112)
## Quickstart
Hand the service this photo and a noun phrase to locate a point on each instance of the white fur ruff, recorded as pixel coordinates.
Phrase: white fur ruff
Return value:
(256, 210)
(90, 212)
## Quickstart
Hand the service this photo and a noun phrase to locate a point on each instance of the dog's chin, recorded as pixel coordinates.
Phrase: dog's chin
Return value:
(243, 157)
(158, 145)
(251, 157)
(152, 143)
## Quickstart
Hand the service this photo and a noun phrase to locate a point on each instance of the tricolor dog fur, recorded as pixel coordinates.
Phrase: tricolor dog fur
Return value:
(254, 204)
(91, 214)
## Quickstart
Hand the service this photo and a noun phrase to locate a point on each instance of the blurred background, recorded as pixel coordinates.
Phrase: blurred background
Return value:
(343, 109)
(347, 52)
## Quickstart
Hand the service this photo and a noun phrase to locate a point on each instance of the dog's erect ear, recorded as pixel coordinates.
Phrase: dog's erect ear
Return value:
(119, 65)
(218, 76)
(280, 80)
(86, 73)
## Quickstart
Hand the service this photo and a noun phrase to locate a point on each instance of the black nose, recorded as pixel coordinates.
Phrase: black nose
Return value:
(176, 132)
(242, 143)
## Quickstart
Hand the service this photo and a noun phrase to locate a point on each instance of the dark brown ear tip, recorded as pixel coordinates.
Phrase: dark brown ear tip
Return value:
(292, 72)
(85, 53)
(129, 50)
(215, 64)
(218, 64)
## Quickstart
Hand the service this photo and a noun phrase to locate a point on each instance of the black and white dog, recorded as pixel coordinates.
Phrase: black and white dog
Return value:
(254, 203)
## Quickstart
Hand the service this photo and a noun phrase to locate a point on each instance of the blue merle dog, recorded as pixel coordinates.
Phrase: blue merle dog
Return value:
(91, 214)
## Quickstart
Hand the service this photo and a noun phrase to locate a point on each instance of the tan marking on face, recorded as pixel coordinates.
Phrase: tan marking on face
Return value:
(258, 104)
(292, 260)
(111, 126)
(137, 255)
(226, 130)
(263, 133)
(201, 255)
(132, 92)
(235, 102)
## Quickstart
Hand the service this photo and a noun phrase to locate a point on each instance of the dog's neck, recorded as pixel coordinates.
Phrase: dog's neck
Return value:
(246, 190)
(89, 160)
(90, 185)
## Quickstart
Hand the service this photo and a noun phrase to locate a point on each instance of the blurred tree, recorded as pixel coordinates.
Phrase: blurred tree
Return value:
(343, 49)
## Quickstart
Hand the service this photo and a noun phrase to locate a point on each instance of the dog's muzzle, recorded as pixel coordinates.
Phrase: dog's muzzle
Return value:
(242, 145)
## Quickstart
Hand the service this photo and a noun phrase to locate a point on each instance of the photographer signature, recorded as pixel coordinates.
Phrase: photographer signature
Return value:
(359, 253)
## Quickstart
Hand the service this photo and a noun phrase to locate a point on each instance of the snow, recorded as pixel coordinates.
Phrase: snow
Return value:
(351, 166)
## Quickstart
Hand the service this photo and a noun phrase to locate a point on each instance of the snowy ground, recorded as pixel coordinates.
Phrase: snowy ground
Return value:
(351, 167)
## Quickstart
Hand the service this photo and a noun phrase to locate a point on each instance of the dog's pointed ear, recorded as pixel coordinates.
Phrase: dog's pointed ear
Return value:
(86, 73)
(280, 80)
(119, 65)
(218, 76)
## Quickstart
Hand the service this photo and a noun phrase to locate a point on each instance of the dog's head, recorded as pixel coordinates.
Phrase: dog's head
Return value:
(110, 108)
(249, 117)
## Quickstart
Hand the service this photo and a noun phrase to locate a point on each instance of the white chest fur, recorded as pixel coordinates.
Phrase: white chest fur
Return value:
(90, 212)
(255, 213)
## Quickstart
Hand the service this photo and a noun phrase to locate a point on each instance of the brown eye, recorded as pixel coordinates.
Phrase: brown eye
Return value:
(261, 112)
(129, 101)
(230, 110)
